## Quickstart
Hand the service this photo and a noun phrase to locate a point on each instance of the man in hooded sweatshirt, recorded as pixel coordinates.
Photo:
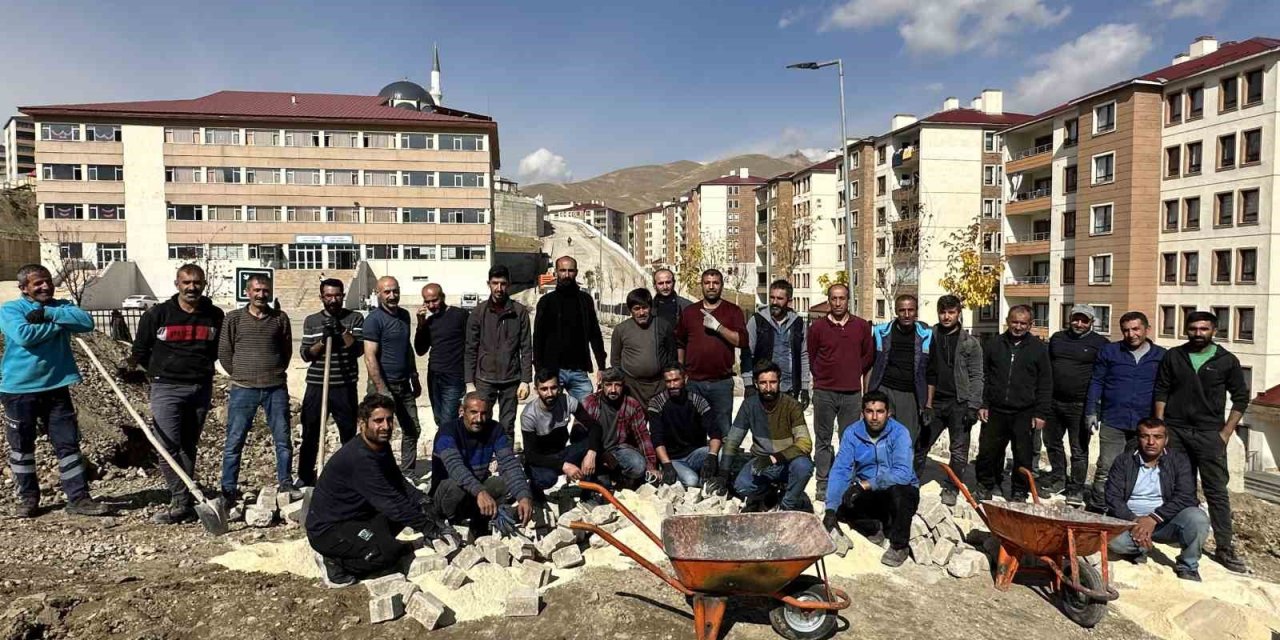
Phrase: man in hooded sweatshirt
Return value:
(566, 332)
(1072, 353)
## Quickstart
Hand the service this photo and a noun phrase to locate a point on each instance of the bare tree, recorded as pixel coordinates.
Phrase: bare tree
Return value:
(698, 257)
(219, 272)
(72, 271)
(908, 247)
(789, 236)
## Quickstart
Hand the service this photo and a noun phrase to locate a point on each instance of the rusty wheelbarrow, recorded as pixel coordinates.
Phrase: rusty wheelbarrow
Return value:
(753, 554)
(1060, 537)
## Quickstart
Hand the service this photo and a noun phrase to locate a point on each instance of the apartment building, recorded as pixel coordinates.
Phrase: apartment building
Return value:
(817, 241)
(860, 157)
(721, 218)
(19, 150)
(649, 247)
(605, 219)
(773, 203)
(514, 212)
(313, 182)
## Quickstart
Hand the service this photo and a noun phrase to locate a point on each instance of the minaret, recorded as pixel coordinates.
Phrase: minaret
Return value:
(435, 77)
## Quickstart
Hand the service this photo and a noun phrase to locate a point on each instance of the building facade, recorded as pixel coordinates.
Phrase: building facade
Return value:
(19, 150)
(514, 212)
(817, 240)
(605, 219)
(774, 202)
(721, 219)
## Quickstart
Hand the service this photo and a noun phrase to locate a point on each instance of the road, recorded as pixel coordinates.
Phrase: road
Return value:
(581, 242)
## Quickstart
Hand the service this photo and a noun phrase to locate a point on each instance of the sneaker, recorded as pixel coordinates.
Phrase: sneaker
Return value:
(982, 494)
(1227, 557)
(88, 507)
(230, 499)
(948, 496)
(291, 489)
(1074, 497)
(1049, 487)
(1184, 573)
(894, 557)
(175, 514)
(331, 574)
(1018, 497)
(754, 505)
(27, 508)
(876, 538)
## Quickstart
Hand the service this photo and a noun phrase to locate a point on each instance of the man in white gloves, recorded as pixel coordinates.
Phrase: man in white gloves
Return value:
(498, 357)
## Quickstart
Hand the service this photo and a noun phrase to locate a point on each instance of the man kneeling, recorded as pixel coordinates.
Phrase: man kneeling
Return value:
(1156, 488)
(873, 483)
(361, 503)
(462, 486)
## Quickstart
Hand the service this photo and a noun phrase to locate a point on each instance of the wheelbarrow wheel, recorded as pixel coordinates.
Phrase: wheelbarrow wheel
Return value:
(1079, 607)
(795, 623)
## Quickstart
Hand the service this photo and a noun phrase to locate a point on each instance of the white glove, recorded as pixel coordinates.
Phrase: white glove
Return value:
(709, 321)
(1092, 422)
(522, 392)
(471, 387)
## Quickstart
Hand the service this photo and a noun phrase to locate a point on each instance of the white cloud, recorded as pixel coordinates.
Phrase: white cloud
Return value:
(1190, 8)
(817, 154)
(792, 16)
(544, 166)
(1108, 53)
(944, 27)
(787, 141)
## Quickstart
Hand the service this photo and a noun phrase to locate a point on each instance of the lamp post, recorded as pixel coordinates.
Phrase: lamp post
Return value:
(844, 163)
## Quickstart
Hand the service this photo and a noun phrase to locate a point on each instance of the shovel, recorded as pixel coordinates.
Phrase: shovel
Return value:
(212, 513)
(324, 424)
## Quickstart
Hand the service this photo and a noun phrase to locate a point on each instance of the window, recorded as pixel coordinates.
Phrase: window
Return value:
(382, 252)
(1229, 89)
(461, 142)
(989, 209)
(879, 308)
(63, 212)
(342, 177)
(1104, 118)
(380, 178)
(62, 172)
(1227, 151)
(188, 212)
(1252, 146)
(418, 214)
(1194, 154)
(1104, 168)
(182, 174)
(1173, 108)
(222, 136)
(1224, 328)
(302, 138)
(459, 179)
(880, 186)
(255, 175)
(107, 172)
(853, 189)
(1191, 206)
(991, 242)
(304, 214)
(1168, 321)
(1070, 132)
(306, 256)
(102, 133)
(186, 251)
(181, 135)
(419, 252)
(417, 141)
(262, 137)
(379, 140)
(1068, 271)
(106, 212)
(418, 179)
(463, 216)
(1172, 210)
(1249, 202)
(381, 215)
(302, 176)
(855, 161)
(1070, 179)
(226, 252)
(223, 213)
(1252, 87)
(1102, 323)
(990, 175)
(880, 247)
(1195, 102)
(1100, 269)
(1173, 162)
(457, 252)
(1190, 267)
(1068, 225)
(880, 215)
(109, 252)
(60, 132)
(1248, 266)
(263, 214)
(1222, 266)
(1224, 203)
(1101, 215)
(1169, 268)
(228, 175)
(880, 154)
(1244, 324)
(731, 204)
(343, 214)
(1183, 312)
(71, 251)
(988, 141)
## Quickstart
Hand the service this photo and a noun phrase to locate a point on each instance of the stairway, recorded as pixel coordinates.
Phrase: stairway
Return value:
(1263, 484)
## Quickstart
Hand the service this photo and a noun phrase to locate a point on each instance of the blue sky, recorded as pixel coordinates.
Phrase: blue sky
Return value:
(584, 88)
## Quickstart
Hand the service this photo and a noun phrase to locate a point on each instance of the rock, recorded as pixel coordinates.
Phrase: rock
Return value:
(484, 542)
(573, 515)
(498, 555)
(444, 547)
(257, 517)
(963, 510)
(523, 601)
(732, 507)
(603, 514)
(597, 542)
(267, 499)
(453, 578)
(933, 514)
(557, 539)
(647, 490)
(521, 550)
(283, 500)
(664, 509)
(942, 551)
(567, 558)
(390, 583)
(843, 544)
(426, 609)
(947, 530)
(467, 558)
(425, 564)
(293, 513)
(922, 550)
(967, 564)
(918, 527)
(386, 608)
(535, 574)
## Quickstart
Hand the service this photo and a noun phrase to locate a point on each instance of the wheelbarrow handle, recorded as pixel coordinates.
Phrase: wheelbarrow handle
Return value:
(608, 495)
(964, 491)
(579, 525)
(1031, 482)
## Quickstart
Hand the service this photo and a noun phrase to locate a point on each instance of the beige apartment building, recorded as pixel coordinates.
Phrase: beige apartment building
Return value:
(613, 223)
(860, 157)
(311, 182)
(817, 246)
(19, 144)
(773, 203)
(721, 219)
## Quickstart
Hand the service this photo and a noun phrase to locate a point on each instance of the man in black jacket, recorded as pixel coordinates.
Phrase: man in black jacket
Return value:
(955, 377)
(497, 360)
(1072, 352)
(1017, 395)
(666, 302)
(178, 345)
(1156, 488)
(1190, 395)
(566, 332)
(345, 329)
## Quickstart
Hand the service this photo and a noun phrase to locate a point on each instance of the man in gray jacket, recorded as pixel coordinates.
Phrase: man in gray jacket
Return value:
(955, 379)
(498, 357)
(778, 334)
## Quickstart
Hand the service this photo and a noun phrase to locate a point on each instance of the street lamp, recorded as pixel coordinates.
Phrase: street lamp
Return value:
(844, 163)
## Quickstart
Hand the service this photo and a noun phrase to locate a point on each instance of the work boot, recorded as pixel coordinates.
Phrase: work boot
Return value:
(1185, 573)
(291, 489)
(1227, 557)
(178, 512)
(1074, 497)
(27, 507)
(981, 494)
(895, 556)
(87, 506)
(333, 576)
(948, 496)
(876, 538)
(1049, 487)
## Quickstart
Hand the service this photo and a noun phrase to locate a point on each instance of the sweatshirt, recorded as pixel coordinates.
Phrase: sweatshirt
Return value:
(1197, 399)
(882, 462)
(1073, 357)
(177, 347)
(464, 457)
(1017, 376)
(256, 351)
(37, 357)
(358, 483)
(547, 434)
(781, 431)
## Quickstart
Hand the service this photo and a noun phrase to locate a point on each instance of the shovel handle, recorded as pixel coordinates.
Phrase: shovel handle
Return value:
(142, 424)
(324, 402)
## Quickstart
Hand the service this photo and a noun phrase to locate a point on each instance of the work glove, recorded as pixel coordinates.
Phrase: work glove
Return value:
(669, 473)
(760, 463)
(926, 416)
(653, 476)
(1092, 423)
(709, 321)
(471, 387)
(710, 469)
(970, 417)
(37, 316)
(851, 494)
(415, 385)
(829, 521)
(332, 328)
(522, 392)
(803, 399)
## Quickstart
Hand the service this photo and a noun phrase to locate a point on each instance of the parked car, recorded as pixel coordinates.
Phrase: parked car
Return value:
(470, 300)
(139, 302)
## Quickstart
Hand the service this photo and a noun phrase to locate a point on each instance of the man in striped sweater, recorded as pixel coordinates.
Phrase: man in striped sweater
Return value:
(780, 445)
(462, 487)
(344, 329)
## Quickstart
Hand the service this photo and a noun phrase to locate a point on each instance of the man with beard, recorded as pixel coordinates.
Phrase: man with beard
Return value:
(667, 304)
(780, 446)
(642, 346)
(902, 355)
(344, 329)
(955, 392)
(362, 502)
(1072, 353)
(779, 335)
(624, 431)
(1120, 393)
(684, 436)
(442, 331)
(551, 447)
(872, 484)
(36, 375)
(566, 332)
(841, 353)
(1190, 393)
(178, 344)
(498, 356)
(707, 337)
(393, 372)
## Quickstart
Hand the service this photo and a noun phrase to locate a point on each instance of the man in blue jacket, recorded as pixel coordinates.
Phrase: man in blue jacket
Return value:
(35, 381)
(873, 485)
(902, 357)
(1120, 394)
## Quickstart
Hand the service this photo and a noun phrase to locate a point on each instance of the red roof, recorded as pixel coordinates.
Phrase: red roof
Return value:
(751, 180)
(1270, 397)
(826, 165)
(974, 116)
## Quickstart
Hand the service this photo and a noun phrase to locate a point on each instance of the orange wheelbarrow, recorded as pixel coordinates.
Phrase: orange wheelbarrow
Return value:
(1059, 537)
(753, 554)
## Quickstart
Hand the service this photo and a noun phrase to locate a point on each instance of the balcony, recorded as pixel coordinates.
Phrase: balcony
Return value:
(1028, 202)
(1026, 286)
(1033, 244)
(1028, 159)
(906, 195)
(906, 157)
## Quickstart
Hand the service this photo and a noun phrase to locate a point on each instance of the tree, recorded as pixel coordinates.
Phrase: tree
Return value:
(219, 272)
(698, 257)
(73, 272)
(788, 238)
(908, 247)
(827, 279)
(967, 277)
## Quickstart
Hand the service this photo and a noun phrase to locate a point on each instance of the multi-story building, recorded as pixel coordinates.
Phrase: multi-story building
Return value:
(773, 203)
(605, 219)
(514, 212)
(721, 219)
(860, 155)
(20, 150)
(315, 182)
(818, 236)
(649, 246)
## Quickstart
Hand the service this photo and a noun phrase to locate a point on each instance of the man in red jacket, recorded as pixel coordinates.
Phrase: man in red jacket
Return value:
(840, 354)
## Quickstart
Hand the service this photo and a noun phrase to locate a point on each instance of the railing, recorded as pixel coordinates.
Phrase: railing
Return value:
(102, 321)
(1016, 280)
(1034, 237)
(1034, 151)
(1030, 195)
(1041, 323)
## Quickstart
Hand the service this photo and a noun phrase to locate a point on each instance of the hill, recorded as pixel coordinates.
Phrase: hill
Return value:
(637, 188)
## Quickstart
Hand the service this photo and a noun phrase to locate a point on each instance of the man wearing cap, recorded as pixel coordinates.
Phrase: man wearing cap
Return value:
(1072, 353)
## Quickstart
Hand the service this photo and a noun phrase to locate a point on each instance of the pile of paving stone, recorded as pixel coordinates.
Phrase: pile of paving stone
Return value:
(953, 538)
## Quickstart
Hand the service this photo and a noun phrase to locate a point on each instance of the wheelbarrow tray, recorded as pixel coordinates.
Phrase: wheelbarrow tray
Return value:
(752, 553)
(1041, 529)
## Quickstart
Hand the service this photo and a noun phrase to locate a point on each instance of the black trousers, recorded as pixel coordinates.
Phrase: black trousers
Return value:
(889, 510)
(456, 504)
(343, 402)
(1208, 454)
(948, 416)
(502, 395)
(1002, 429)
(363, 548)
(1067, 420)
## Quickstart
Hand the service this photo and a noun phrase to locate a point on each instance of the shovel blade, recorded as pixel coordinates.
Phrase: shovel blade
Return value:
(213, 517)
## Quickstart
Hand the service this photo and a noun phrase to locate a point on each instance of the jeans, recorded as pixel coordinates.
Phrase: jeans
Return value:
(1000, 430)
(1067, 419)
(22, 413)
(242, 405)
(905, 410)
(837, 409)
(627, 460)
(1208, 454)
(1111, 443)
(363, 548)
(502, 395)
(888, 511)
(577, 383)
(718, 394)
(179, 412)
(793, 475)
(689, 468)
(407, 420)
(445, 391)
(343, 404)
(1189, 529)
(948, 415)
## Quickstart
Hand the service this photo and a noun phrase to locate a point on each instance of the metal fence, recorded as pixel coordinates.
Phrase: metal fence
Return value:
(104, 321)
